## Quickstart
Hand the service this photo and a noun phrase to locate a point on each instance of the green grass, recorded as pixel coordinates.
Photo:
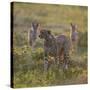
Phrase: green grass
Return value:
(28, 69)
(28, 64)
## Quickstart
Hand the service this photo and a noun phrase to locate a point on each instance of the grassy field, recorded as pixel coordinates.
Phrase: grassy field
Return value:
(28, 64)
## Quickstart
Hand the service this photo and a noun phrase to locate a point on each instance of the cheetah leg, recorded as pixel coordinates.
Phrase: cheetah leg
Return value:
(66, 60)
(46, 63)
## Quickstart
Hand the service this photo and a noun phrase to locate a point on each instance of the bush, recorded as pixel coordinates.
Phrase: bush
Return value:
(82, 39)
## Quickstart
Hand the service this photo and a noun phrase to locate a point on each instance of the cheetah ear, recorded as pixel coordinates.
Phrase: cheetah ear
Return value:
(49, 32)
